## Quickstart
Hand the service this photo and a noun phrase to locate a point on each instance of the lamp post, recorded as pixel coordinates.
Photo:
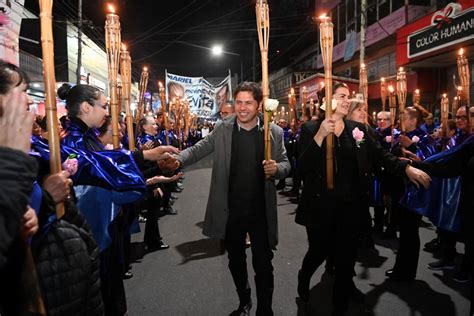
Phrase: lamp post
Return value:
(218, 51)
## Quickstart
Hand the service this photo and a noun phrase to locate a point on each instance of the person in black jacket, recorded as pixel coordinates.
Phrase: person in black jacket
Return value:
(332, 217)
(68, 286)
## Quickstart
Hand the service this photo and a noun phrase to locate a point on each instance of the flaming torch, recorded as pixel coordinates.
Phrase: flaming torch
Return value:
(126, 74)
(455, 106)
(464, 76)
(305, 97)
(161, 89)
(263, 29)
(383, 92)
(327, 41)
(444, 113)
(311, 108)
(392, 103)
(401, 93)
(141, 96)
(416, 97)
(363, 84)
(112, 44)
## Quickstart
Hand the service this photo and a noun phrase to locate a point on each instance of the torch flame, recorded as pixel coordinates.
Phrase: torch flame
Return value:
(145, 69)
(111, 8)
(400, 69)
(382, 79)
(417, 91)
(444, 95)
(160, 85)
(363, 66)
(124, 47)
(459, 88)
(461, 52)
(323, 17)
(390, 88)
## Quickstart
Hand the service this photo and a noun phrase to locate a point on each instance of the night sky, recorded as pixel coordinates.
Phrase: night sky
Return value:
(163, 34)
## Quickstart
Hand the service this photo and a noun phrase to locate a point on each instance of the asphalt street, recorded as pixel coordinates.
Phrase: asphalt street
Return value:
(192, 278)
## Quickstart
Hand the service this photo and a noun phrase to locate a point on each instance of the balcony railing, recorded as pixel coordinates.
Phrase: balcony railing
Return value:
(32, 65)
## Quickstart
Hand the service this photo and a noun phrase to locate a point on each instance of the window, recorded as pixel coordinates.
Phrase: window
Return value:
(342, 22)
(393, 64)
(371, 12)
(397, 4)
(335, 21)
(357, 14)
(350, 10)
(384, 8)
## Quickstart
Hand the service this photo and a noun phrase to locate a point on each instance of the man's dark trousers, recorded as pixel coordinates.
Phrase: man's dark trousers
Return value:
(253, 223)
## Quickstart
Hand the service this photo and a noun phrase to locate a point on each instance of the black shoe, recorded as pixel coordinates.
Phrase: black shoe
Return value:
(290, 193)
(243, 310)
(281, 185)
(395, 276)
(330, 269)
(356, 295)
(303, 288)
(461, 276)
(441, 265)
(159, 246)
(177, 190)
(389, 234)
(169, 211)
(433, 245)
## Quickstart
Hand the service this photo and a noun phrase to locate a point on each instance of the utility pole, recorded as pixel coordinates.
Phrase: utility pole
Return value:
(79, 42)
(363, 23)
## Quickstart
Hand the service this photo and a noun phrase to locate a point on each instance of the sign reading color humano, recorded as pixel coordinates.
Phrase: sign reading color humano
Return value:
(448, 27)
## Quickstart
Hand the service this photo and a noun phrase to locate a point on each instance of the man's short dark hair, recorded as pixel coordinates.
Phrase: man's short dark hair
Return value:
(252, 87)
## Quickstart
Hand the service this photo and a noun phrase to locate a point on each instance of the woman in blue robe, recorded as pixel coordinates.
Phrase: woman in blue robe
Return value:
(415, 141)
(87, 109)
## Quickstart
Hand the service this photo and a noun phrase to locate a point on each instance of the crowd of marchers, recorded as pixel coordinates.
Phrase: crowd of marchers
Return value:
(75, 264)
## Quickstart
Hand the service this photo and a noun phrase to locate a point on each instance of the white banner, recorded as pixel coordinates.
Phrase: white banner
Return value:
(11, 12)
(204, 98)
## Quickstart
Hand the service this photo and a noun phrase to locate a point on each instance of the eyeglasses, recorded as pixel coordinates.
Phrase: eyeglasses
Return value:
(382, 119)
(461, 117)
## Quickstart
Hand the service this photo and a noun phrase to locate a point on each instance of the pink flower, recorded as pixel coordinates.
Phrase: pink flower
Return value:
(415, 139)
(70, 165)
(358, 136)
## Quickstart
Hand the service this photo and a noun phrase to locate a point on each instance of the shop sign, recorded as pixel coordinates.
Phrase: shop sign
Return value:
(448, 27)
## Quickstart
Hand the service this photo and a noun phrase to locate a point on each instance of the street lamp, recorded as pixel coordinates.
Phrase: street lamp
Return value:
(218, 51)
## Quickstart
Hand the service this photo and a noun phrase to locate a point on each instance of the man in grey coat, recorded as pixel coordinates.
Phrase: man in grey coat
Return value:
(242, 197)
